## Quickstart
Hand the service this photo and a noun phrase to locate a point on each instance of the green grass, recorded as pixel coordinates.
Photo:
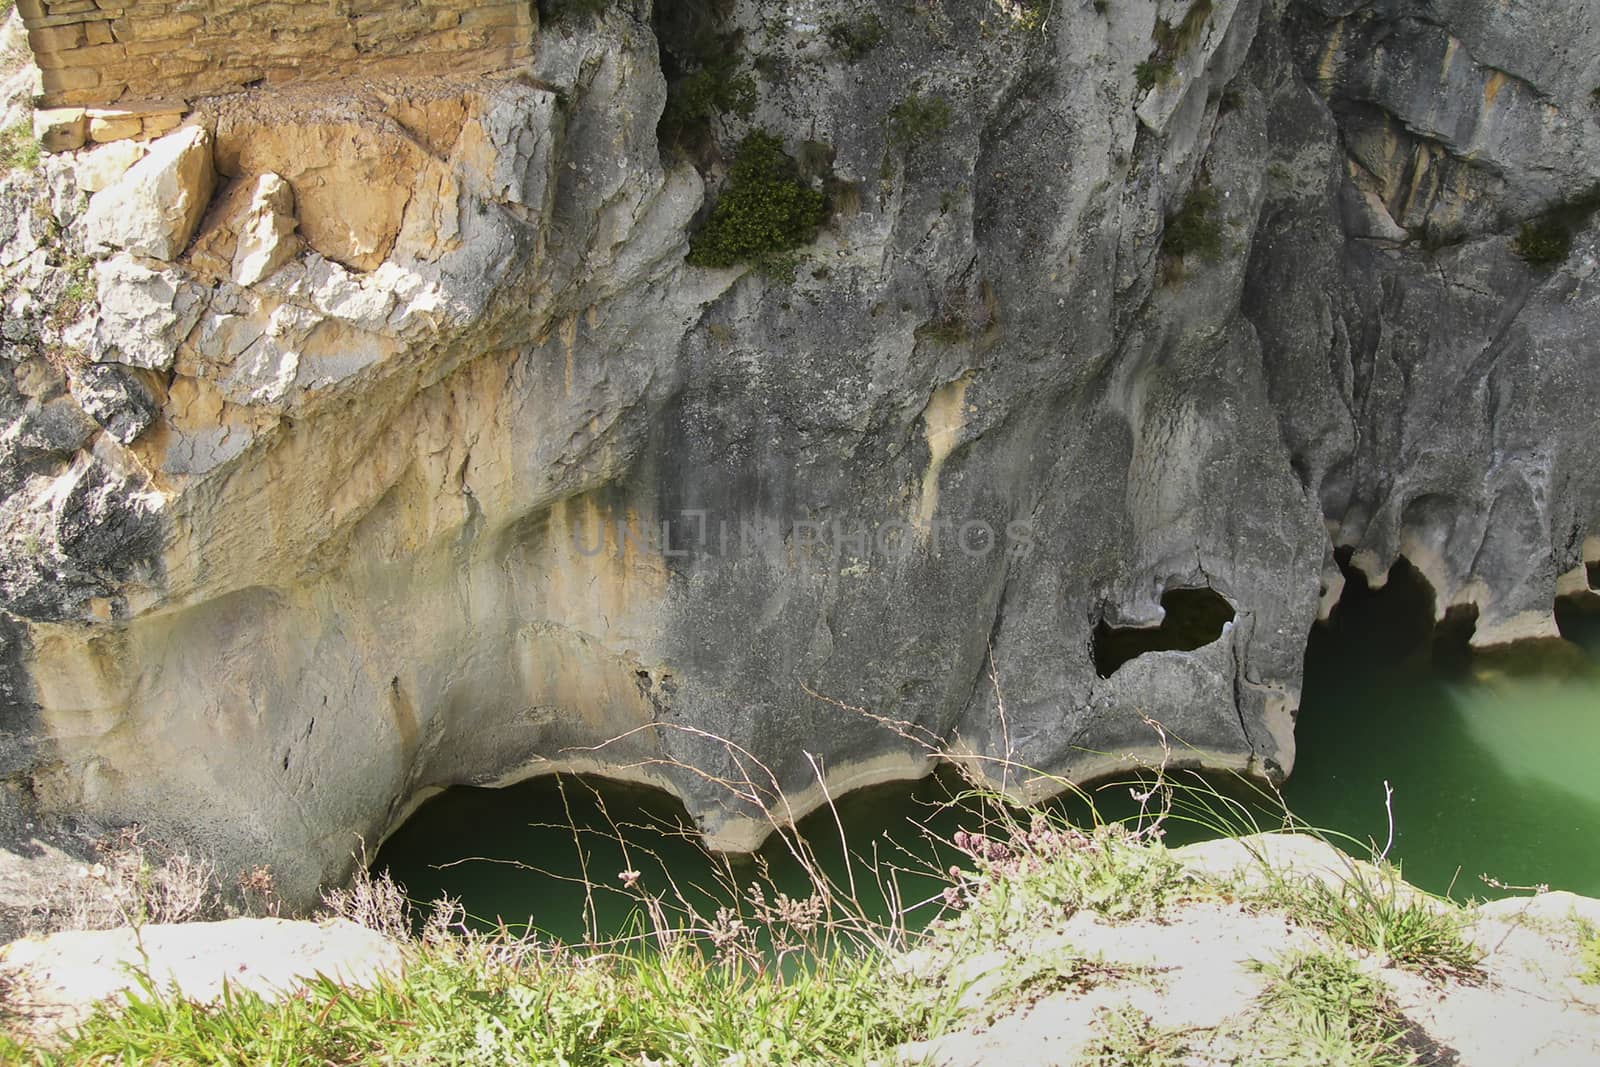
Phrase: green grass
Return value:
(18, 148)
(1127, 1037)
(783, 981)
(1374, 911)
(1589, 955)
(1027, 877)
(482, 1001)
(1322, 1008)
(764, 212)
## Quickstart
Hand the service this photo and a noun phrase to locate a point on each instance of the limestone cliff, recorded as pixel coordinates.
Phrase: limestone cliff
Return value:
(357, 490)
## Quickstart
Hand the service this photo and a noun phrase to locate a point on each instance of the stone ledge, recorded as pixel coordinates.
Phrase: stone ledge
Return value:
(65, 129)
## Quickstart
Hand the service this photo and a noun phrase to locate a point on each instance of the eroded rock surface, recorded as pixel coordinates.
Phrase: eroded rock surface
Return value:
(390, 518)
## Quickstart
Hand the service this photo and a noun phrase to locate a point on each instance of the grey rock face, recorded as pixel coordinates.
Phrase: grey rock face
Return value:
(532, 495)
(116, 399)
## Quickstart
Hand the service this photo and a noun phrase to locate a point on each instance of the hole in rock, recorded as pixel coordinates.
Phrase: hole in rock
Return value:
(1194, 619)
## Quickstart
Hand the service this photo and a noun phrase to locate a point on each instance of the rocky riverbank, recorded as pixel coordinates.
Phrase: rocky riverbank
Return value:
(1061, 947)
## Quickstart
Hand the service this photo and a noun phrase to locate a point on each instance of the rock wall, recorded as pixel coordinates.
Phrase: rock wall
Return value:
(103, 51)
(310, 521)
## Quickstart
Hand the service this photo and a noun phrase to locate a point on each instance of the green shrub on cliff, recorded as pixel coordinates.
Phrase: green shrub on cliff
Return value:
(703, 59)
(764, 211)
(917, 118)
(1171, 42)
(1195, 229)
(1544, 242)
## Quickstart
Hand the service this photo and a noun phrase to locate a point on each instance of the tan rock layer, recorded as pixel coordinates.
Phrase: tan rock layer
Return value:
(102, 53)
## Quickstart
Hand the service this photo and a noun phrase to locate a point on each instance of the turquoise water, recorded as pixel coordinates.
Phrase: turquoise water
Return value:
(1494, 761)
(511, 853)
(1494, 765)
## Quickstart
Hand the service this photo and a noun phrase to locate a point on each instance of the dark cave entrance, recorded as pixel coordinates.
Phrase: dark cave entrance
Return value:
(1489, 752)
(1194, 618)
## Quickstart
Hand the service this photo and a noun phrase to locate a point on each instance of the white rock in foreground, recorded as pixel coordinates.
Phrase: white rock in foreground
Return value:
(266, 234)
(100, 168)
(64, 975)
(153, 209)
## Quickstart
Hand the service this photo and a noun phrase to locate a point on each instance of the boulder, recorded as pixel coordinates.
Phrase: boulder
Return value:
(144, 313)
(250, 230)
(101, 167)
(116, 399)
(267, 232)
(153, 209)
(353, 173)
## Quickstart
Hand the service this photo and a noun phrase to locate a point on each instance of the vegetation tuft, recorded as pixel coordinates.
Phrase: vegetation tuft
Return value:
(18, 148)
(1195, 229)
(916, 119)
(1154, 71)
(1374, 911)
(854, 38)
(1589, 955)
(1546, 241)
(1124, 1036)
(764, 212)
(1321, 1007)
(705, 72)
(1171, 42)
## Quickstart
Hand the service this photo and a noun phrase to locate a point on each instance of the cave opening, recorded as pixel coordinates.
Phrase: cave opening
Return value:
(1389, 627)
(572, 856)
(1489, 752)
(1193, 618)
(1491, 769)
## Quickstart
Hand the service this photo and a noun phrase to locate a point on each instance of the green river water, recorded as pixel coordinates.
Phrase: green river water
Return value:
(1495, 768)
